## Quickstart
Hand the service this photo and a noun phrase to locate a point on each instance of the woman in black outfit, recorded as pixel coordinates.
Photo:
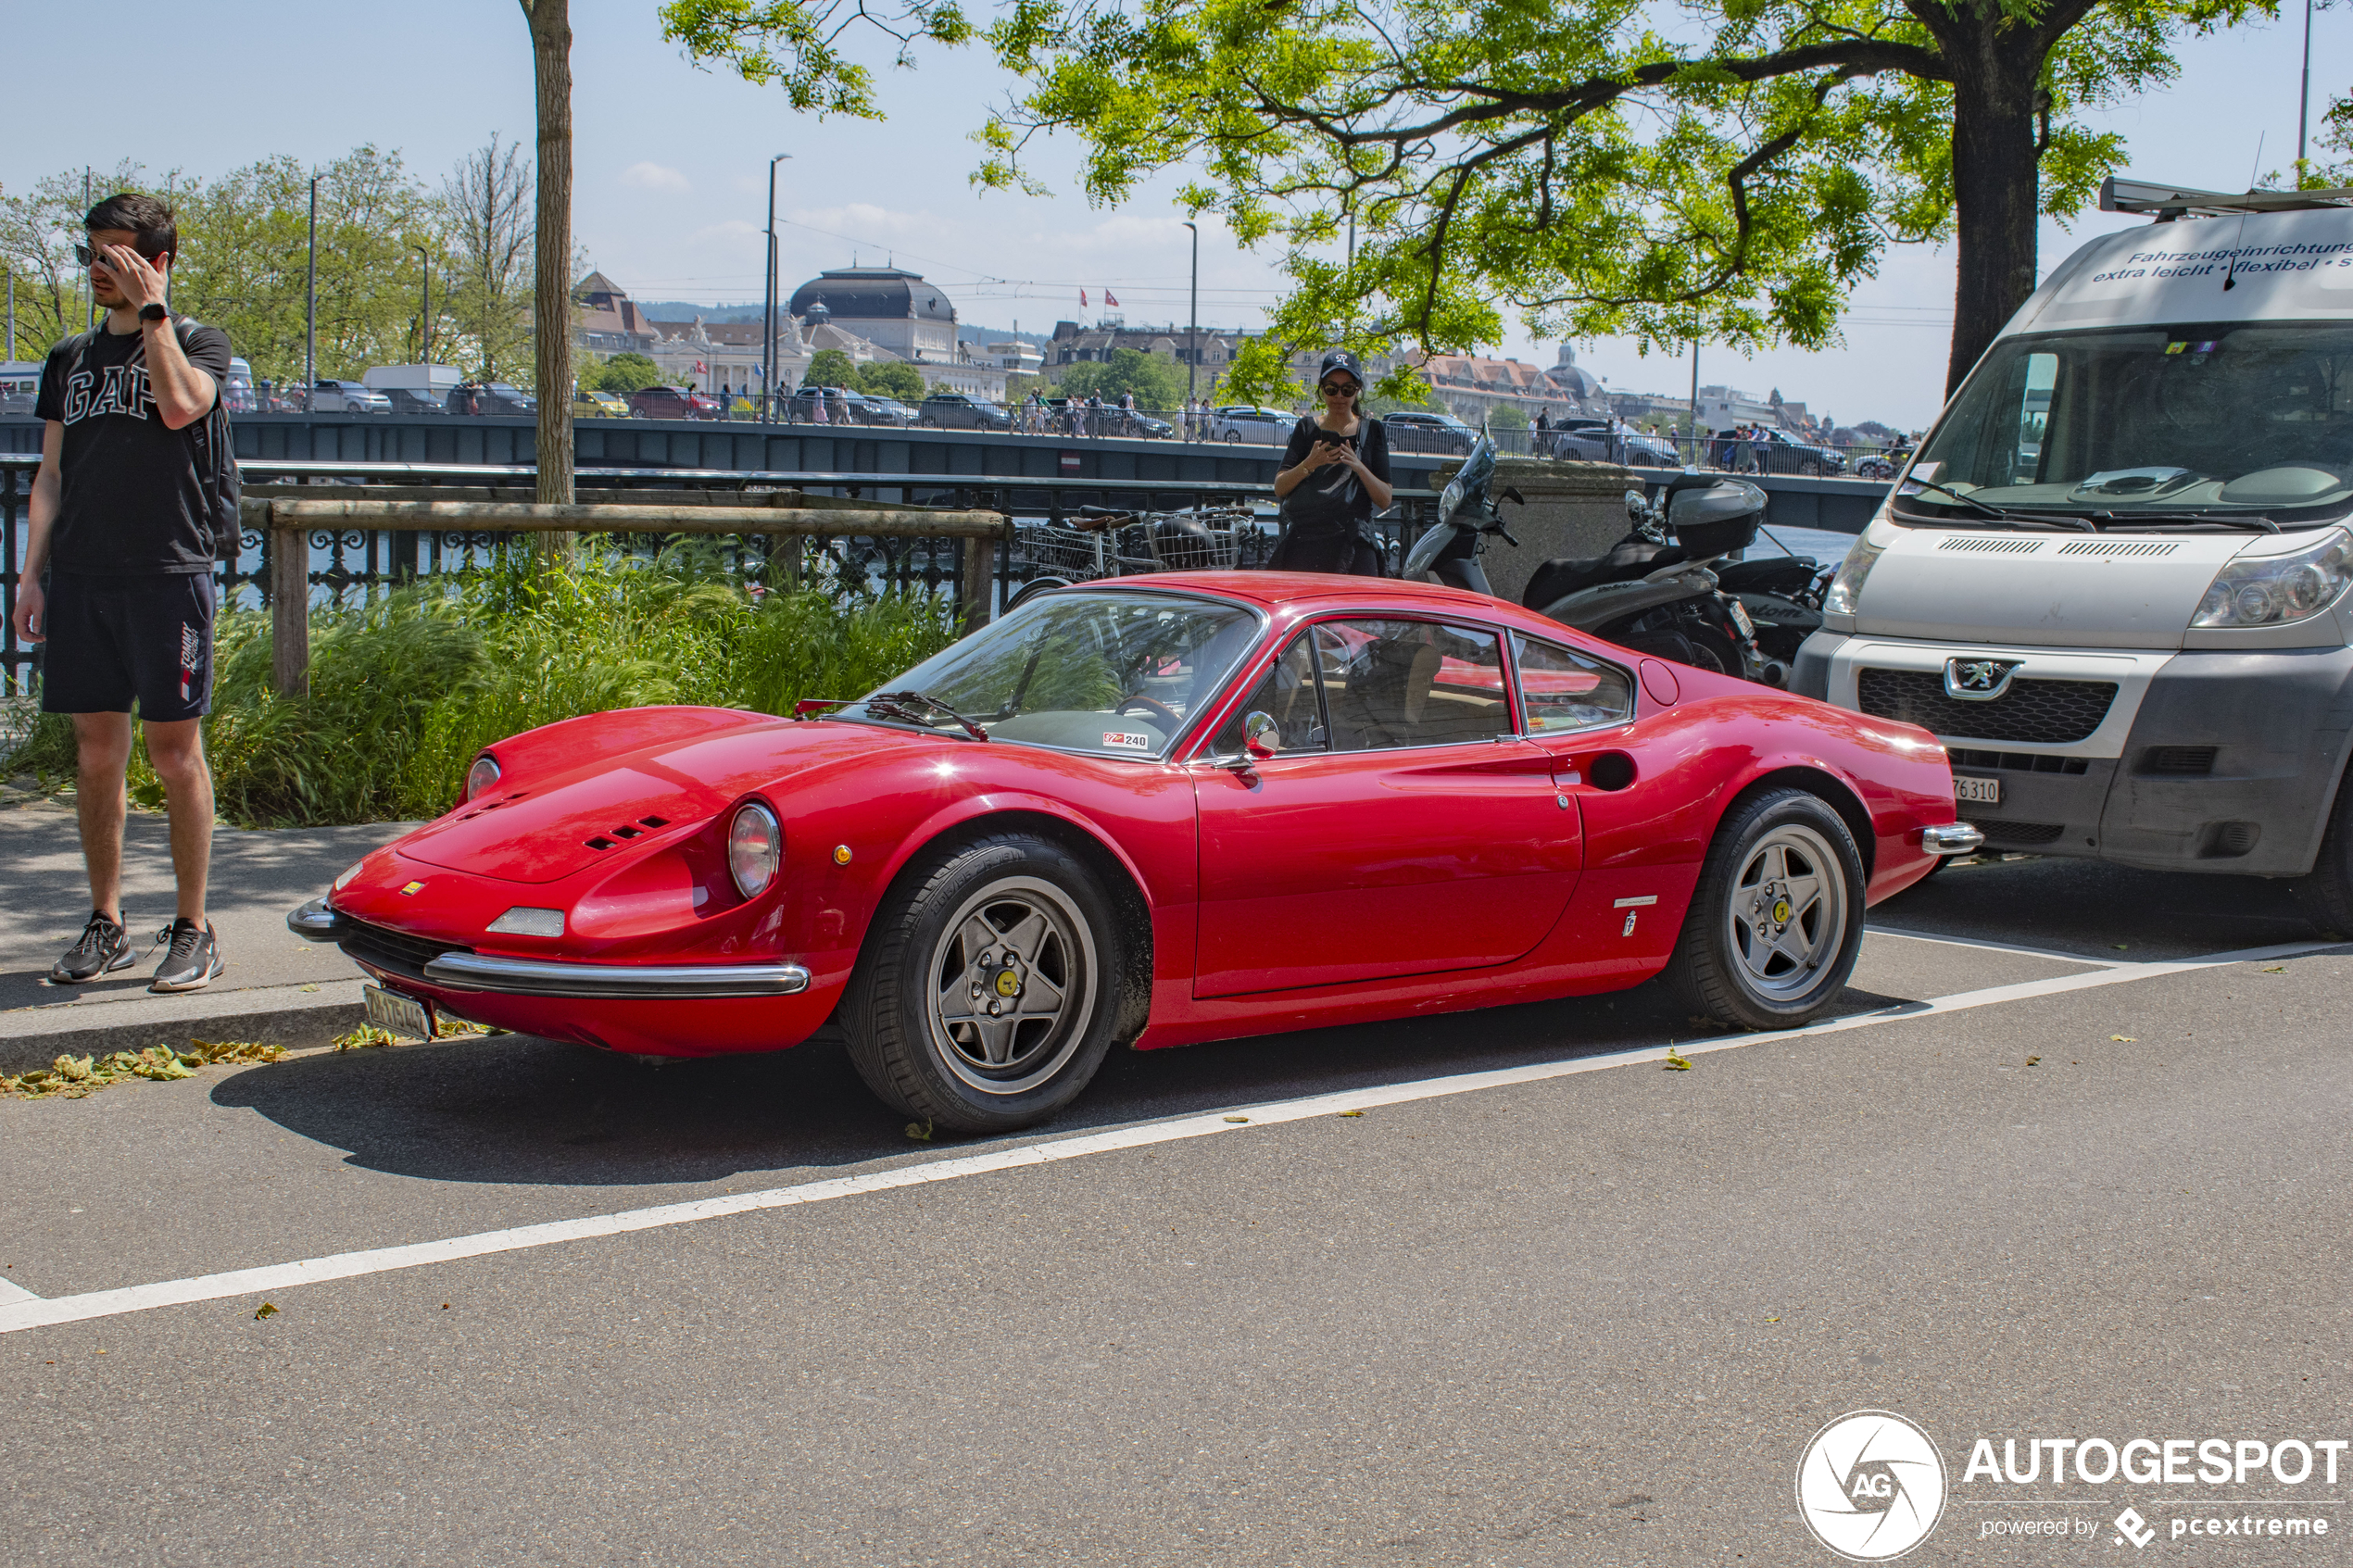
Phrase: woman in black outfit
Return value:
(1335, 476)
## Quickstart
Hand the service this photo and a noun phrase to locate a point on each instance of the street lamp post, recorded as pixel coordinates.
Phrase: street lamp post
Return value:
(768, 310)
(424, 310)
(2304, 98)
(1193, 316)
(310, 305)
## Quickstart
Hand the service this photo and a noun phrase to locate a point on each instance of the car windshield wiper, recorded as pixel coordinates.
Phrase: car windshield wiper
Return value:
(896, 705)
(2254, 522)
(2000, 514)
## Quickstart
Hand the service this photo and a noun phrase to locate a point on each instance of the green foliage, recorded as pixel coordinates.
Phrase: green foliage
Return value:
(404, 691)
(794, 43)
(626, 373)
(1157, 381)
(890, 378)
(830, 366)
(1594, 166)
(1508, 415)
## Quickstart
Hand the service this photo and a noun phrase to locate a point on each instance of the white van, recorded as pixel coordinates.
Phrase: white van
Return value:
(2112, 580)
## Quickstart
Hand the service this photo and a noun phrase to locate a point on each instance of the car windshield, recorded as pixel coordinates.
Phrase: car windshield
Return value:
(2248, 417)
(1117, 673)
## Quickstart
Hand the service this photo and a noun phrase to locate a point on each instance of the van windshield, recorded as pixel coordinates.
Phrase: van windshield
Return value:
(2242, 416)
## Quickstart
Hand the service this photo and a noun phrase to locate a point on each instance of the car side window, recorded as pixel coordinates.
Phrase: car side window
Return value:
(1287, 694)
(1390, 683)
(1563, 690)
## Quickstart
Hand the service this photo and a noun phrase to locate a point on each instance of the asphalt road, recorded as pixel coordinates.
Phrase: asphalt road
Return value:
(1576, 1316)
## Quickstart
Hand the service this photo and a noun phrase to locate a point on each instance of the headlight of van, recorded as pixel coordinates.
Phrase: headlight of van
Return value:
(2270, 590)
(1847, 588)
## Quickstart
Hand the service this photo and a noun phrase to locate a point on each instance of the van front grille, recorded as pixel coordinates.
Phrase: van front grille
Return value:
(1998, 832)
(2035, 713)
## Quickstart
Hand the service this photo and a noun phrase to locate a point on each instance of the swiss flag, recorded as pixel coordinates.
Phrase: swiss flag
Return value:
(1082, 299)
(701, 369)
(1111, 299)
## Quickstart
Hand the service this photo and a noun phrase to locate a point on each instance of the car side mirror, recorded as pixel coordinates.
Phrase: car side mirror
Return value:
(1262, 737)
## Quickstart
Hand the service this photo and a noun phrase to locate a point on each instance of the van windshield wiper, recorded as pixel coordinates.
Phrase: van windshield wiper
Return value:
(2254, 522)
(895, 704)
(2000, 514)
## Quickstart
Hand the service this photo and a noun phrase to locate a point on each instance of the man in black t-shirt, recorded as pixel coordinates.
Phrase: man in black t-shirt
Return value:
(122, 526)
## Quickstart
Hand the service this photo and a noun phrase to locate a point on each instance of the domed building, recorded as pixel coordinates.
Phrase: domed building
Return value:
(888, 307)
(1572, 380)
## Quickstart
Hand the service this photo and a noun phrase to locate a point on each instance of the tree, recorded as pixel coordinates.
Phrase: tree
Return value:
(830, 366)
(891, 378)
(1569, 159)
(1158, 384)
(626, 373)
(550, 23)
(1508, 415)
(488, 239)
(38, 231)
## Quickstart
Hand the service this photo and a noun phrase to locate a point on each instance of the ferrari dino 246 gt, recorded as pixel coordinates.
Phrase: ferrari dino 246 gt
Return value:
(1213, 806)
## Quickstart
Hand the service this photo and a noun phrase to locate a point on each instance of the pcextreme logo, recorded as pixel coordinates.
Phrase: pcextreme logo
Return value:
(1870, 1485)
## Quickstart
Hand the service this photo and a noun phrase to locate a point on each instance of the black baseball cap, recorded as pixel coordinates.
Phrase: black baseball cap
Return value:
(1340, 359)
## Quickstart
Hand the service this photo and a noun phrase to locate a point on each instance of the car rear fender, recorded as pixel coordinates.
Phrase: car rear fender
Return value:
(1835, 789)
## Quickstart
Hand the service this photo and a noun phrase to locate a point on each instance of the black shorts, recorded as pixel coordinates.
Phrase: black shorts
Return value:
(116, 640)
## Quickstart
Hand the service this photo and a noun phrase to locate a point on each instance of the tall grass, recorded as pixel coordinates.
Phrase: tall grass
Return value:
(404, 691)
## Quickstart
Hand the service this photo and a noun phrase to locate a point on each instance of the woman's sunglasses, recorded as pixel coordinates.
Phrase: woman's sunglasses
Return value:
(1337, 389)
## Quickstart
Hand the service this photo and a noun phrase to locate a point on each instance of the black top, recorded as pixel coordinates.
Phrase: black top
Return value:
(1371, 441)
(132, 505)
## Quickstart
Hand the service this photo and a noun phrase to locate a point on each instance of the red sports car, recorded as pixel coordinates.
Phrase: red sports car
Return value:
(1150, 812)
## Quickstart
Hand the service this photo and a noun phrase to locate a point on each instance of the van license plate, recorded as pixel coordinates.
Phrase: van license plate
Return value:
(1980, 792)
(397, 1014)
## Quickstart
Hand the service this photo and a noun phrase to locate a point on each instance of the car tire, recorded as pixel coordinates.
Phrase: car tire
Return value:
(2325, 893)
(1811, 468)
(938, 954)
(1785, 853)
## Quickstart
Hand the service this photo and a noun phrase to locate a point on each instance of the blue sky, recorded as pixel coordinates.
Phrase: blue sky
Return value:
(670, 193)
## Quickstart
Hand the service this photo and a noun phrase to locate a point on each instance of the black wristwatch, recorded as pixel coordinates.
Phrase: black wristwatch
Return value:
(154, 313)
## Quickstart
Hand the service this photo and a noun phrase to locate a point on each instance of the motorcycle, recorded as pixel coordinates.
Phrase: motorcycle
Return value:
(1665, 589)
(1884, 465)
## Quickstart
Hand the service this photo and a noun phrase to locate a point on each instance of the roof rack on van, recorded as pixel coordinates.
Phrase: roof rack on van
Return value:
(2169, 201)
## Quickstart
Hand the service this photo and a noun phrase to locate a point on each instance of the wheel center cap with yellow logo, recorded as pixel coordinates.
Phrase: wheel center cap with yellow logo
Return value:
(1008, 984)
(1781, 910)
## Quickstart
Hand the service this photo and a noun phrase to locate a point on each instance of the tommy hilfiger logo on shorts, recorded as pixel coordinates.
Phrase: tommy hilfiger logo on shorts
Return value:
(191, 660)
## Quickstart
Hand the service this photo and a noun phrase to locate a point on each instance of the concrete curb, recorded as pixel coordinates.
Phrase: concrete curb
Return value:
(292, 1016)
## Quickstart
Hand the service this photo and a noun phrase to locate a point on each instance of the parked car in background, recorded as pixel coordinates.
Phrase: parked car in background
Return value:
(672, 403)
(19, 385)
(415, 400)
(346, 397)
(890, 411)
(491, 398)
(1249, 423)
(1423, 429)
(957, 410)
(593, 404)
(1779, 452)
(1593, 440)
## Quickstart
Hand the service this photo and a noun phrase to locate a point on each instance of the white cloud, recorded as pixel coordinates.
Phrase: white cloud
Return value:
(650, 176)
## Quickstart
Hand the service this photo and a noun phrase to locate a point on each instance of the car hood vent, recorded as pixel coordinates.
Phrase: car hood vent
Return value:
(554, 833)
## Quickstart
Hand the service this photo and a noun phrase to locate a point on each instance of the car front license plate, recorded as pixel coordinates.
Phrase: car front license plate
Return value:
(1980, 792)
(397, 1014)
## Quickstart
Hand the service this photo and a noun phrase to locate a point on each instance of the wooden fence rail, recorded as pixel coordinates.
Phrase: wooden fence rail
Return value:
(287, 523)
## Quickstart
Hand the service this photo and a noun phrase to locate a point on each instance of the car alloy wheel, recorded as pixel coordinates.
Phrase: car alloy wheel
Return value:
(991, 983)
(1777, 919)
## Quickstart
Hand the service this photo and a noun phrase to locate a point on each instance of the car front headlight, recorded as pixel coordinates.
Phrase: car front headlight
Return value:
(755, 848)
(1847, 588)
(2273, 590)
(483, 777)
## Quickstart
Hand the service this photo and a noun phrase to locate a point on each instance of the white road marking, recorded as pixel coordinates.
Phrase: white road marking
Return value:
(2003, 948)
(41, 1312)
(11, 1292)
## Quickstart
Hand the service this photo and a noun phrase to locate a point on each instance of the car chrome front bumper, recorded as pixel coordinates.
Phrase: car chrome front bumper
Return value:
(1952, 838)
(318, 922)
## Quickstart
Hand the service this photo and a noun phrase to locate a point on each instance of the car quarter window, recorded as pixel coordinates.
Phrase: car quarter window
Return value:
(1392, 683)
(1287, 693)
(1561, 689)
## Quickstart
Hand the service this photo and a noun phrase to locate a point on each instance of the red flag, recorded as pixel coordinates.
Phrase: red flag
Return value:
(1111, 299)
(1082, 299)
(701, 369)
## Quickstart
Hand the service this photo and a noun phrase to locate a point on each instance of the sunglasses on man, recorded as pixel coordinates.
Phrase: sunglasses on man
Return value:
(87, 254)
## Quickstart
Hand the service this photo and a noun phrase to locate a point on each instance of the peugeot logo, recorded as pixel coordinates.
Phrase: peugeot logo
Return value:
(1979, 680)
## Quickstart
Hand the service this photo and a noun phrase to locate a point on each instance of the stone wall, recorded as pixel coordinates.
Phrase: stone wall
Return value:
(1574, 508)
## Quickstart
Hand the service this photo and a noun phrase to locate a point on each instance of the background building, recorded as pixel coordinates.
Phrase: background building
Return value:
(891, 307)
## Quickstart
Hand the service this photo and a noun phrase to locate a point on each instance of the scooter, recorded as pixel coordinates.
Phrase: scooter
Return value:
(1669, 598)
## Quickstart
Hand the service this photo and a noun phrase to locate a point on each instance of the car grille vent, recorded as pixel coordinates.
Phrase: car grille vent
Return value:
(2038, 712)
(2020, 832)
(394, 951)
(2003, 546)
(2019, 761)
(2181, 761)
(2118, 548)
(600, 841)
(653, 822)
(493, 805)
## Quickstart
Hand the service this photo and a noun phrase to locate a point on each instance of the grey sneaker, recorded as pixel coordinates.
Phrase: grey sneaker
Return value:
(103, 948)
(193, 959)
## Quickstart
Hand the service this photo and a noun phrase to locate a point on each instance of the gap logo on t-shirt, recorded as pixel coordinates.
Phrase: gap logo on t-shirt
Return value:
(110, 389)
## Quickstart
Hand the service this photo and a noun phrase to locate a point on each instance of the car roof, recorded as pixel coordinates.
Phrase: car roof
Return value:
(1309, 593)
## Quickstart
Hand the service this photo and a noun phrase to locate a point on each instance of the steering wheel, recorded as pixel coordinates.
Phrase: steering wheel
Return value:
(1159, 709)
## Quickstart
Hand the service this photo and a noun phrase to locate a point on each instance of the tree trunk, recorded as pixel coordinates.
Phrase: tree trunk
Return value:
(551, 296)
(1996, 188)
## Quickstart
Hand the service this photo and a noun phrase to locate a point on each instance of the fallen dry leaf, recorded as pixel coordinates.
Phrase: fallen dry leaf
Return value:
(2126, 1039)
(1675, 1062)
(265, 1310)
(1237, 1118)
